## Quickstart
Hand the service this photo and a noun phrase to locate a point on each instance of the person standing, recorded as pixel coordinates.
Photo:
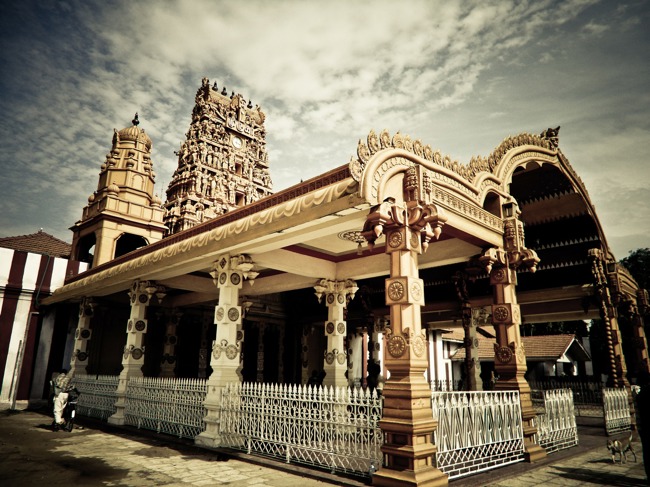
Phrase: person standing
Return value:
(62, 385)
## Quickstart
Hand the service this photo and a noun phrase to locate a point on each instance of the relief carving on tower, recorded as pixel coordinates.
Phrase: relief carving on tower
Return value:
(222, 164)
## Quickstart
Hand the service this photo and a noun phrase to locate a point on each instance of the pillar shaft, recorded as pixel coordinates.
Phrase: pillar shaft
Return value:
(79, 360)
(225, 360)
(133, 356)
(407, 422)
(168, 363)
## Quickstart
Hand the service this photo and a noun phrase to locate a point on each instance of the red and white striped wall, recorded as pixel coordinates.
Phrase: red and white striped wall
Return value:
(25, 279)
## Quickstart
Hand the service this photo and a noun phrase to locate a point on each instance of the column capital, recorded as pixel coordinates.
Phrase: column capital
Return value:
(338, 293)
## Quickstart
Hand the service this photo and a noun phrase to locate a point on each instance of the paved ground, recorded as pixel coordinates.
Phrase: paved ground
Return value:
(101, 455)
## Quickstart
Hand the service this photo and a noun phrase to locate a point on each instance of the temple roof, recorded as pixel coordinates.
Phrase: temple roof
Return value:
(38, 243)
(538, 348)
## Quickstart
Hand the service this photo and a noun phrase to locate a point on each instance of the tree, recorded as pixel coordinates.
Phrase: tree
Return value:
(638, 263)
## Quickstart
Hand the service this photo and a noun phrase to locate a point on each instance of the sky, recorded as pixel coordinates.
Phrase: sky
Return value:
(458, 75)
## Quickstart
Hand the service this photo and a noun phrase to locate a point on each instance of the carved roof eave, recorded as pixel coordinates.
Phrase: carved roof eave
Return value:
(198, 244)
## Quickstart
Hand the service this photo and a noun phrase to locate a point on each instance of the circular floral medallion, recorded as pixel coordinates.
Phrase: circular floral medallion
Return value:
(329, 358)
(475, 342)
(235, 278)
(129, 327)
(133, 298)
(239, 335)
(329, 328)
(415, 240)
(330, 299)
(340, 328)
(501, 313)
(395, 239)
(172, 340)
(222, 278)
(504, 355)
(340, 358)
(231, 351)
(85, 333)
(216, 352)
(143, 298)
(396, 290)
(76, 334)
(82, 356)
(418, 346)
(140, 325)
(416, 291)
(233, 314)
(304, 364)
(88, 311)
(305, 349)
(377, 347)
(220, 314)
(137, 353)
(340, 298)
(396, 346)
(499, 275)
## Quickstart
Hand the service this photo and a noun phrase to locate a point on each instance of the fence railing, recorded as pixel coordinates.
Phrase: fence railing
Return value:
(333, 428)
(97, 398)
(587, 394)
(445, 385)
(477, 431)
(556, 420)
(616, 410)
(166, 405)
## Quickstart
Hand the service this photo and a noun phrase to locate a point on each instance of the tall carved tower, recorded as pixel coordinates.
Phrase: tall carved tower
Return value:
(122, 214)
(222, 164)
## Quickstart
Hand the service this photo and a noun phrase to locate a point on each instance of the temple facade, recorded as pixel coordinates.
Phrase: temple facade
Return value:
(346, 279)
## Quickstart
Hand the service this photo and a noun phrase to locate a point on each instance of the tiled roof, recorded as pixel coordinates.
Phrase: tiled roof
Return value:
(38, 243)
(546, 347)
(458, 334)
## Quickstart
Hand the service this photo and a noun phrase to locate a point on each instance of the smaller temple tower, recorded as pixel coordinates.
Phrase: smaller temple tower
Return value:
(122, 214)
(222, 164)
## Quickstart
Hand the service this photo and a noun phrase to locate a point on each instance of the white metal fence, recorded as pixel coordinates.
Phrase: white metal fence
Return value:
(333, 428)
(166, 405)
(477, 431)
(616, 410)
(97, 395)
(556, 420)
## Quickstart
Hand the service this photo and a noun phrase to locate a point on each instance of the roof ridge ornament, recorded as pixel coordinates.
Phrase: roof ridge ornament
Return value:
(136, 120)
(477, 164)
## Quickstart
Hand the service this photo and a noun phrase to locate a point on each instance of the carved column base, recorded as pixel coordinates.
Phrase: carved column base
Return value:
(429, 477)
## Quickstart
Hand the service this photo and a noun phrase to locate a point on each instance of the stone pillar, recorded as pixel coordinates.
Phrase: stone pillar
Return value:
(168, 363)
(337, 294)
(638, 327)
(608, 314)
(304, 342)
(509, 353)
(356, 359)
(228, 273)
(79, 360)
(407, 423)
(261, 328)
(281, 355)
(204, 349)
(473, 381)
(133, 357)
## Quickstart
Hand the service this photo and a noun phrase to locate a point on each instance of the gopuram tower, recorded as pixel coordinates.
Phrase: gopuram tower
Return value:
(123, 214)
(222, 164)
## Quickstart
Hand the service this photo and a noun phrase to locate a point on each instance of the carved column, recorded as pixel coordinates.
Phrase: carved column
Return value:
(168, 363)
(618, 371)
(356, 359)
(638, 326)
(337, 294)
(79, 360)
(281, 355)
(473, 381)
(304, 342)
(204, 349)
(510, 356)
(133, 358)
(609, 316)
(228, 273)
(407, 423)
(261, 327)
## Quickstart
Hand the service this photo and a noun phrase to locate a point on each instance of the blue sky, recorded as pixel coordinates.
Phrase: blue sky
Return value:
(460, 76)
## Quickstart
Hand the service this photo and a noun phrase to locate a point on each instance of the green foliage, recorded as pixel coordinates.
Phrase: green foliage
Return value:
(638, 263)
